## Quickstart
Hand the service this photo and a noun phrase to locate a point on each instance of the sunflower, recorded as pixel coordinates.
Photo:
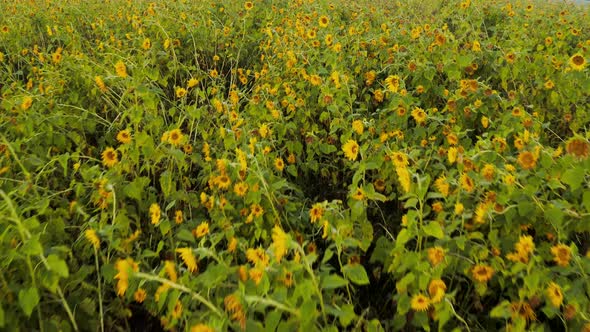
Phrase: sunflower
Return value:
(452, 154)
(488, 172)
(155, 213)
(379, 185)
(359, 194)
(279, 164)
(121, 69)
(257, 210)
(201, 230)
(467, 183)
(109, 157)
(527, 160)
(177, 311)
(280, 243)
(482, 273)
(400, 159)
(577, 62)
(92, 237)
(316, 212)
(578, 147)
(214, 73)
(100, 83)
(419, 115)
(139, 295)
(525, 245)
(248, 5)
(288, 279)
(436, 290)
(404, 178)
(258, 257)
(187, 256)
(459, 208)
(324, 21)
(180, 92)
(178, 217)
(232, 245)
(240, 189)
(562, 254)
(420, 302)
(351, 149)
(522, 310)
(435, 255)
(510, 57)
(175, 137)
(223, 181)
(555, 294)
(124, 136)
(358, 126)
(392, 83)
(549, 84)
(26, 104)
(315, 80)
(256, 275)
(147, 44)
(123, 266)
(192, 82)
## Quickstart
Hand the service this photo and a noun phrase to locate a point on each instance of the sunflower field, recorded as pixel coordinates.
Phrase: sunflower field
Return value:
(305, 165)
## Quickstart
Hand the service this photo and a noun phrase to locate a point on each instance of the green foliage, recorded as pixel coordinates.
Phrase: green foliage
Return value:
(294, 165)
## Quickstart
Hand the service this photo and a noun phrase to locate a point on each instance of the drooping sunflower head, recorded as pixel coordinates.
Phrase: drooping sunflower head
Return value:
(578, 147)
(482, 273)
(555, 294)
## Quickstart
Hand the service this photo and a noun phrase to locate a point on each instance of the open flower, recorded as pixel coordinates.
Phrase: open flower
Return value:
(351, 149)
(109, 157)
(420, 302)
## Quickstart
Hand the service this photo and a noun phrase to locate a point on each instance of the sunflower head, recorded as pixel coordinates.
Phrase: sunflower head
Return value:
(577, 62)
(109, 157)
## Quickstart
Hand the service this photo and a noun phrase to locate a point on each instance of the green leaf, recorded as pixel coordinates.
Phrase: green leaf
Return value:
(573, 177)
(58, 265)
(403, 237)
(185, 235)
(28, 300)
(49, 280)
(333, 281)
(411, 203)
(136, 187)
(554, 215)
(327, 148)
(356, 273)
(347, 315)
(586, 200)
(32, 247)
(327, 255)
(434, 229)
(2, 321)
(375, 326)
(402, 285)
(167, 183)
(272, 320)
(423, 184)
(165, 227)
(525, 208)
(501, 311)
